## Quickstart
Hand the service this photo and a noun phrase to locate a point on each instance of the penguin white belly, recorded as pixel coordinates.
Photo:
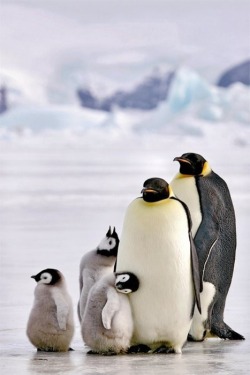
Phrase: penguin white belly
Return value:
(155, 247)
(186, 190)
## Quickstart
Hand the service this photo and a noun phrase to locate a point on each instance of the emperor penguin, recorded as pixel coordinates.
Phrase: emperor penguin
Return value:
(156, 246)
(50, 325)
(214, 230)
(95, 264)
(107, 323)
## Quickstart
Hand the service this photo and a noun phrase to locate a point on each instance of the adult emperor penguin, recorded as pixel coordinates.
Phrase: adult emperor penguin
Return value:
(156, 245)
(95, 264)
(107, 323)
(208, 199)
(50, 325)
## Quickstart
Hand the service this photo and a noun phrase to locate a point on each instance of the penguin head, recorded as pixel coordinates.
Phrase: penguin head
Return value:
(109, 245)
(48, 276)
(126, 282)
(191, 164)
(155, 189)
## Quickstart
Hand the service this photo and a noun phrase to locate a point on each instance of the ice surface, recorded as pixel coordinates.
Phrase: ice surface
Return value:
(58, 196)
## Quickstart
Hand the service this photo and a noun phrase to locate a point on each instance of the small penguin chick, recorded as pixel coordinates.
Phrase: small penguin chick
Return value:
(126, 282)
(107, 324)
(95, 264)
(50, 325)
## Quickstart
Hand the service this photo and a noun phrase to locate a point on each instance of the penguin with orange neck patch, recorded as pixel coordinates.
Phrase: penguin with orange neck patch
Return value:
(214, 230)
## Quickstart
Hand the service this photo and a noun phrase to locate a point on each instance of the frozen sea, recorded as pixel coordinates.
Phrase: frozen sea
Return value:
(60, 192)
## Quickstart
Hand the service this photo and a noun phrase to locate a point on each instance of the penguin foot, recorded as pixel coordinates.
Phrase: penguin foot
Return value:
(71, 350)
(163, 350)
(141, 348)
(92, 352)
(223, 331)
(101, 353)
(47, 350)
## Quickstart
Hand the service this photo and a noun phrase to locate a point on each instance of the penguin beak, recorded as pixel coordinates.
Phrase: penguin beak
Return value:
(33, 277)
(149, 190)
(182, 160)
(119, 286)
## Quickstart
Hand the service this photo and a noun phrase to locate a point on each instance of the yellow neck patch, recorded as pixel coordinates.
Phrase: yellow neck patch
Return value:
(205, 171)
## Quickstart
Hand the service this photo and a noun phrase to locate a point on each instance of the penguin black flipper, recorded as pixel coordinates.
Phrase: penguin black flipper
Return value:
(208, 231)
(197, 281)
(198, 286)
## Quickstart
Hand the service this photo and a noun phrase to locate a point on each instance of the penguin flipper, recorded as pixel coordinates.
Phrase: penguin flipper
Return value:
(110, 308)
(62, 310)
(205, 239)
(197, 280)
(195, 273)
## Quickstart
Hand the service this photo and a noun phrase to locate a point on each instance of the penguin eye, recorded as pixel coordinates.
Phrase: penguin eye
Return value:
(110, 242)
(125, 278)
(45, 278)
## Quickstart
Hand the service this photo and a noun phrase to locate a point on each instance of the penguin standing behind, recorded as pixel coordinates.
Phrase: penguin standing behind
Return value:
(156, 246)
(107, 324)
(50, 325)
(208, 199)
(95, 264)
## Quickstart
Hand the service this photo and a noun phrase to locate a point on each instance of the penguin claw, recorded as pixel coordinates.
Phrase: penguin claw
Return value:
(141, 348)
(101, 353)
(92, 352)
(163, 350)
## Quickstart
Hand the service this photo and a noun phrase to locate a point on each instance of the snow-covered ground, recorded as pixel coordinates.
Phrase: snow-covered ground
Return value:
(66, 173)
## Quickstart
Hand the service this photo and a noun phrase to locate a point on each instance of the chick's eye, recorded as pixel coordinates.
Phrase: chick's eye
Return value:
(110, 242)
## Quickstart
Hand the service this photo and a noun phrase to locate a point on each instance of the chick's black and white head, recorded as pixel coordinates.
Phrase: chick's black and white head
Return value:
(155, 189)
(191, 163)
(48, 276)
(126, 282)
(109, 245)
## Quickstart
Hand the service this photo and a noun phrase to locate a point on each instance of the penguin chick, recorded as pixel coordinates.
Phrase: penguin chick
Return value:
(208, 198)
(126, 282)
(50, 325)
(107, 324)
(95, 264)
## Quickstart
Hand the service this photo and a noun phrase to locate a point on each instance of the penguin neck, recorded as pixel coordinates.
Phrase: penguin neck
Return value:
(206, 170)
(107, 253)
